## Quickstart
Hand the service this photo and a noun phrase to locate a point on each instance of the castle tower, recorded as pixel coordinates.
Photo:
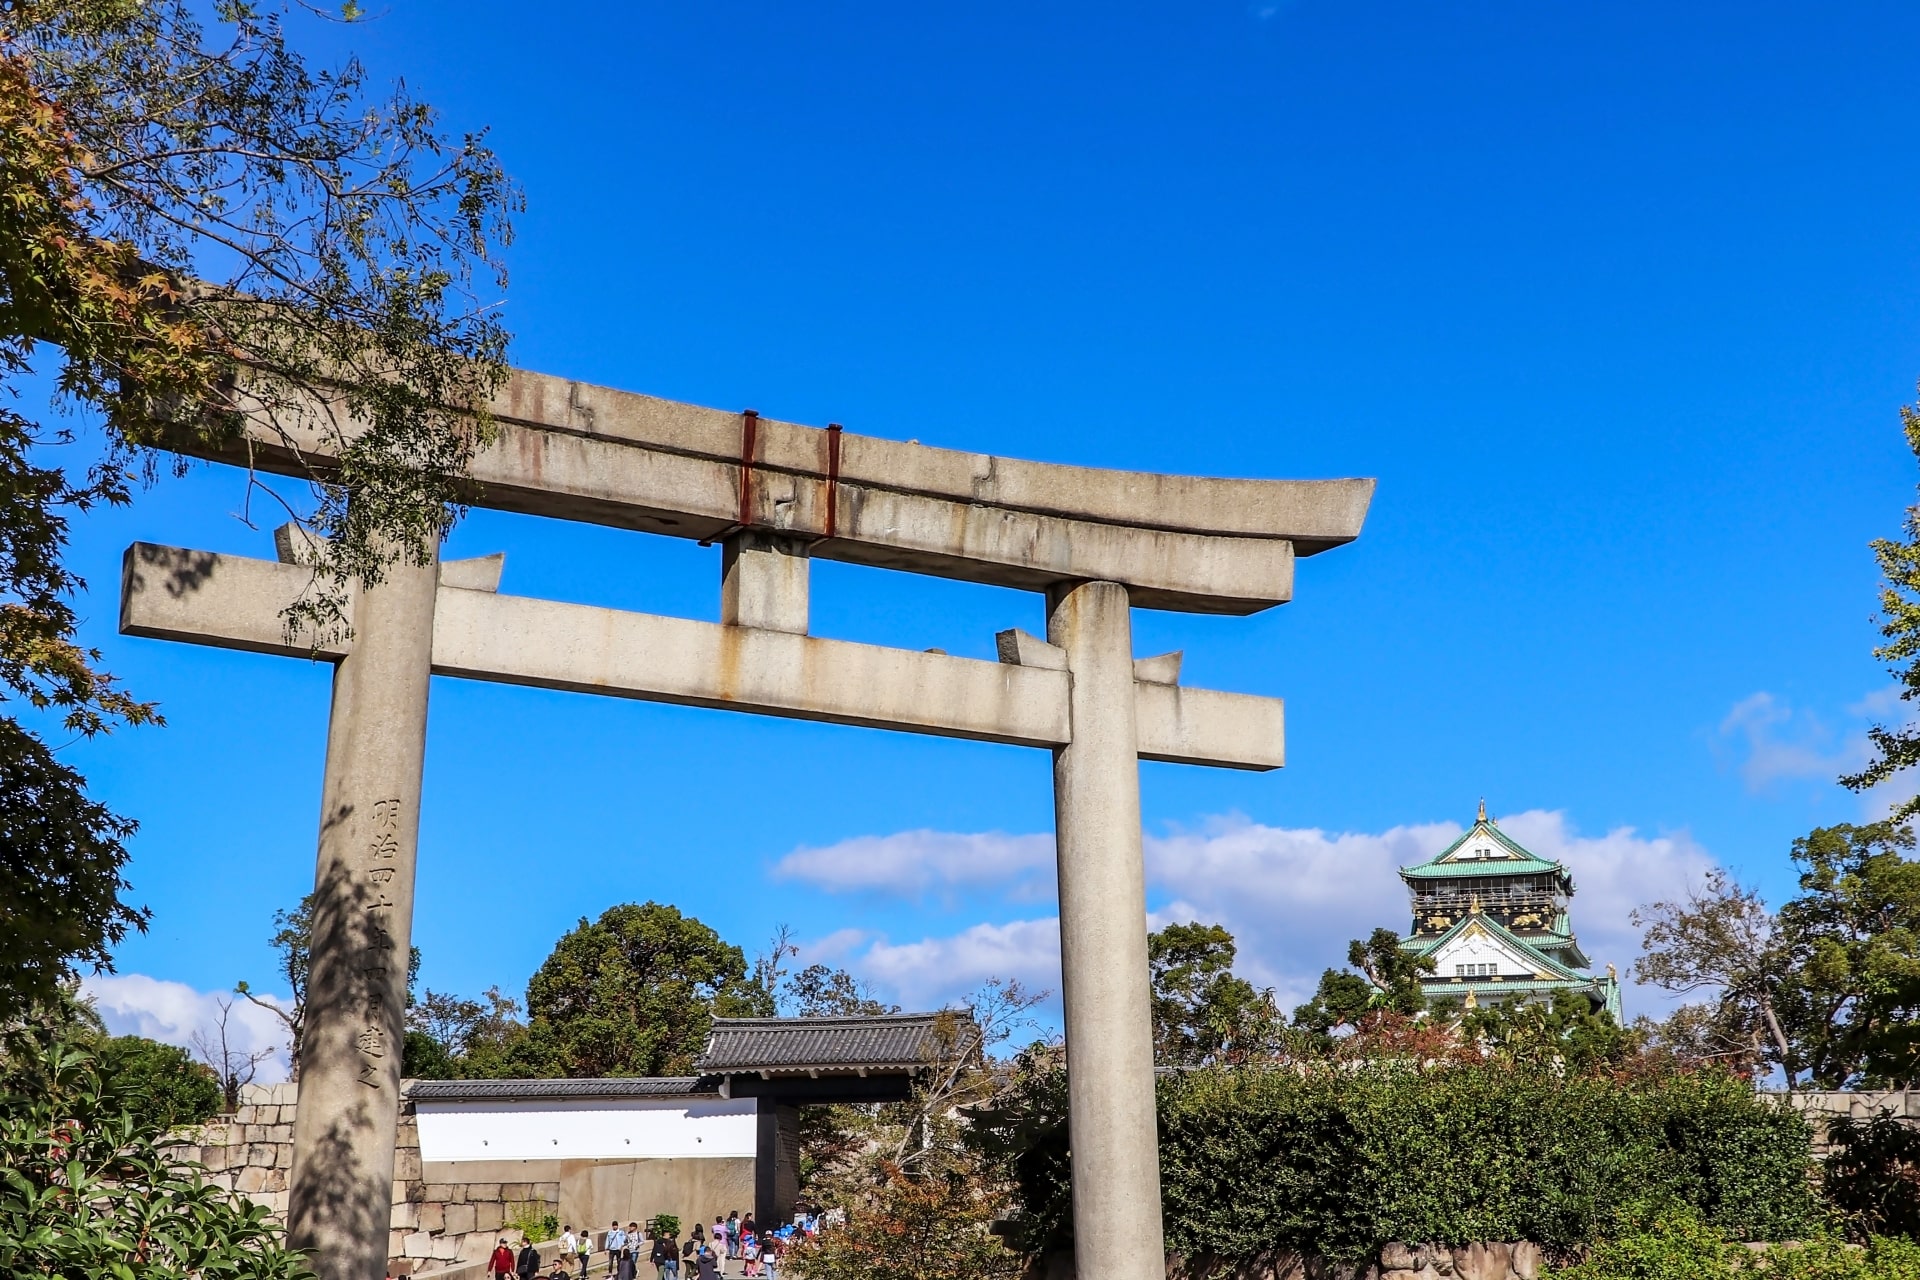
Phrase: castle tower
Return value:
(1494, 919)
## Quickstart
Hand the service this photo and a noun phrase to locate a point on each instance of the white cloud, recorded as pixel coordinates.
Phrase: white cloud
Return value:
(1775, 742)
(910, 863)
(934, 971)
(171, 1012)
(1292, 897)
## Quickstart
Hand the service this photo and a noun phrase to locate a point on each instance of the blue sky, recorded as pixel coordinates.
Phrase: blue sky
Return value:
(1617, 302)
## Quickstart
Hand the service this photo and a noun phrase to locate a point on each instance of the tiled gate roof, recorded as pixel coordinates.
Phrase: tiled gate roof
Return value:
(891, 1042)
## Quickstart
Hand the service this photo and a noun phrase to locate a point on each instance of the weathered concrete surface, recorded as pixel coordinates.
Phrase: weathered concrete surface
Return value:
(1103, 943)
(763, 582)
(574, 451)
(340, 1188)
(236, 602)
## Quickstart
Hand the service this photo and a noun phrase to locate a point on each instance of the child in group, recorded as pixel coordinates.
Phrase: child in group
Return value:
(750, 1250)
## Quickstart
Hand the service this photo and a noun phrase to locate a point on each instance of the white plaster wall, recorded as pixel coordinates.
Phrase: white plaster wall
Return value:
(586, 1129)
(1479, 949)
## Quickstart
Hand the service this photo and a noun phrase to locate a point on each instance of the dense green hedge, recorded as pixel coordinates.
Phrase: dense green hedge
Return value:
(1337, 1162)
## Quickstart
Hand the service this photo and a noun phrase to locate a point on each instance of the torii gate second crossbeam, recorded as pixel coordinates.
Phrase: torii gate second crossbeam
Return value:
(775, 495)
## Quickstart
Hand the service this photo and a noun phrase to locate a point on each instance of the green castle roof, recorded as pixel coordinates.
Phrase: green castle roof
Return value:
(1558, 972)
(1508, 858)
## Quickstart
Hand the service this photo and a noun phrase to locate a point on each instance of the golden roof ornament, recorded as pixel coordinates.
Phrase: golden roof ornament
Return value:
(1483, 808)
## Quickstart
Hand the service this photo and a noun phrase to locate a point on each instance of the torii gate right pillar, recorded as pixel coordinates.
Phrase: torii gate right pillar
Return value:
(1103, 942)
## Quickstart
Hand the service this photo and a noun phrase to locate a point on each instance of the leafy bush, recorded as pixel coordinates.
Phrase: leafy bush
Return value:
(663, 1226)
(163, 1085)
(1873, 1174)
(1678, 1246)
(1337, 1161)
(86, 1191)
(533, 1219)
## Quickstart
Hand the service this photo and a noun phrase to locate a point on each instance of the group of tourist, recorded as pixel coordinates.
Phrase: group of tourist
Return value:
(705, 1255)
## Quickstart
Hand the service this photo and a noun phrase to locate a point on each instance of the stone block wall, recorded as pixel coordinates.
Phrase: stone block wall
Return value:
(434, 1224)
(1860, 1105)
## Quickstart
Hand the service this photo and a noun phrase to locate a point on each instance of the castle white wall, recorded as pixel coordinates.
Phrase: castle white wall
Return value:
(1479, 949)
(586, 1129)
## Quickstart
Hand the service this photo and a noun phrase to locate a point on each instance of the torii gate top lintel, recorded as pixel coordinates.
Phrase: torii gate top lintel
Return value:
(581, 452)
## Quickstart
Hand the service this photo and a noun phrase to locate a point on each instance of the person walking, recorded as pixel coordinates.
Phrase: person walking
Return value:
(569, 1248)
(616, 1241)
(528, 1264)
(733, 1234)
(630, 1256)
(501, 1263)
(720, 1242)
(666, 1258)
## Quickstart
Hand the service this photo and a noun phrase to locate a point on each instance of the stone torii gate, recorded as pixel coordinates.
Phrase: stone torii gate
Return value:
(775, 495)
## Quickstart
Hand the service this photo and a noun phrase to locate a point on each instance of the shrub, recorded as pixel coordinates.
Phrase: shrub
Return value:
(1873, 1174)
(533, 1219)
(1337, 1161)
(85, 1189)
(1678, 1246)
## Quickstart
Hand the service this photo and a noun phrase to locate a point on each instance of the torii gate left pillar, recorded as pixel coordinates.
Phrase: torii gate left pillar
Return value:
(340, 1187)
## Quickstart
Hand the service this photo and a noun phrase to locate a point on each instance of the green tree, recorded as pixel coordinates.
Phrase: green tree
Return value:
(1382, 975)
(632, 994)
(1897, 748)
(1563, 1032)
(822, 991)
(200, 230)
(1203, 1012)
(453, 1038)
(60, 859)
(1720, 938)
(163, 1085)
(1853, 932)
(1828, 987)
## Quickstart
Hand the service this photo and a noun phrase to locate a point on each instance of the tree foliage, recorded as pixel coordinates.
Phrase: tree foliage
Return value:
(1202, 1011)
(916, 1199)
(1897, 747)
(1827, 988)
(200, 231)
(60, 867)
(162, 1084)
(1854, 932)
(1382, 976)
(933, 1224)
(1563, 1033)
(1719, 937)
(1872, 1174)
(633, 993)
(87, 1190)
(452, 1038)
